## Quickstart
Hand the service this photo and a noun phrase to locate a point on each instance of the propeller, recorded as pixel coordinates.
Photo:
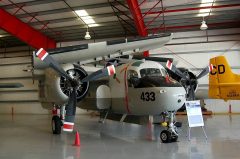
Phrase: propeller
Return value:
(175, 70)
(205, 71)
(186, 80)
(75, 83)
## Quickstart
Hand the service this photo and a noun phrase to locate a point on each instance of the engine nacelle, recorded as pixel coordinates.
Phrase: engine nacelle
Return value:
(54, 89)
(186, 83)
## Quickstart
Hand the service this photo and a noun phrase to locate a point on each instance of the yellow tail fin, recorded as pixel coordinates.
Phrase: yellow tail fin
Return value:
(223, 83)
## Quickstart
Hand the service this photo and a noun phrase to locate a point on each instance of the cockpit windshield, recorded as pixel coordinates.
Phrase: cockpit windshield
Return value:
(150, 77)
(150, 72)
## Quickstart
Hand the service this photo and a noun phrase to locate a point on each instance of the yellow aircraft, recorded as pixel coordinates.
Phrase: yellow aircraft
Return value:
(223, 83)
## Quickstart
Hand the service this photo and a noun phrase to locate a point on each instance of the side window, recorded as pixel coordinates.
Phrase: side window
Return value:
(150, 72)
(164, 72)
(132, 77)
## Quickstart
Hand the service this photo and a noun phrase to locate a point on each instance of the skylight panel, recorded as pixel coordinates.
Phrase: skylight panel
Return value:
(205, 12)
(86, 18)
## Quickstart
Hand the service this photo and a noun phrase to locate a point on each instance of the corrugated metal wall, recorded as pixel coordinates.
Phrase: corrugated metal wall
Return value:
(21, 100)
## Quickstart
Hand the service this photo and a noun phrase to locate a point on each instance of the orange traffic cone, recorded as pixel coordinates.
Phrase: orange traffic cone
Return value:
(77, 139)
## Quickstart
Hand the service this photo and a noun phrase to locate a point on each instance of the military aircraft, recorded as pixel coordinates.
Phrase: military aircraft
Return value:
(223, 83)
(138, 88)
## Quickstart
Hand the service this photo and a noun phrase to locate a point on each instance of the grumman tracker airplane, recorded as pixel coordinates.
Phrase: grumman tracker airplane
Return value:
(223, 83)
(135, 88)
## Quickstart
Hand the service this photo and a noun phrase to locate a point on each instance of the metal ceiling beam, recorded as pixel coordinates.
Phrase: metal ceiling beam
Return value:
(189, 16)
(137, 17)
(187, 21)
(229, 23)
(124, 18)
(29, 3)
(23, 31)
(65, 10)
(191, 9)
(138, 20)
(231, 14)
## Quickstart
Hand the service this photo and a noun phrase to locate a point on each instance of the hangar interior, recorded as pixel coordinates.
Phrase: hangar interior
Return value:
(61, 25)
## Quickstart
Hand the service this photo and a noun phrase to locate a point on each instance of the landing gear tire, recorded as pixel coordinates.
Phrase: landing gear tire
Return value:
(165, 136)
(56, 125)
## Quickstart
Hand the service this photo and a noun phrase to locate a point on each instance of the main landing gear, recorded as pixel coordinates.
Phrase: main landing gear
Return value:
(57, 117)
(56, 125)
(171, 133)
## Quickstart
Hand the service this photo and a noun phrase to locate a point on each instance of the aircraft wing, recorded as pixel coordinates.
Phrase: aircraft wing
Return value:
(91, 52)
(10, 85)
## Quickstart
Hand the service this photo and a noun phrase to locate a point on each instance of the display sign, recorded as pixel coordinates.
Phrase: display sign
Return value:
(194, 113)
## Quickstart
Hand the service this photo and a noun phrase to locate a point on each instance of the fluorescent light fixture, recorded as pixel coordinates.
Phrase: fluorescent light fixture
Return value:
(93, 25)
(81, 13)
(1, 36)
(205, 12)
(89, 21)
(207, 1)
(86, 18)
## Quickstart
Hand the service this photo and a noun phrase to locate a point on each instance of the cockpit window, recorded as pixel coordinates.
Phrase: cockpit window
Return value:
(150, 72)
(132, 78)
(132, 74)
(150, 77)
(164, 72)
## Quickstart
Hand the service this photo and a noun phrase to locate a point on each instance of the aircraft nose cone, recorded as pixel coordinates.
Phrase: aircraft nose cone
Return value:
(174, 97)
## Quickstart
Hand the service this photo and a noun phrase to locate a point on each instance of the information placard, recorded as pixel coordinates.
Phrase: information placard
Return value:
(194, 113)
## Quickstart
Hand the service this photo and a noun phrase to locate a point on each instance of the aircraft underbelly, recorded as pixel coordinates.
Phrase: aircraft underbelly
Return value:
(119, 106)
(88, 104)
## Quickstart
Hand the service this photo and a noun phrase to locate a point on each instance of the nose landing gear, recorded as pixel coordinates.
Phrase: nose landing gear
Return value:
(171, 133)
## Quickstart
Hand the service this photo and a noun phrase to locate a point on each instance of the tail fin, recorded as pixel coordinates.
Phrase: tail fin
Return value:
(223, 83)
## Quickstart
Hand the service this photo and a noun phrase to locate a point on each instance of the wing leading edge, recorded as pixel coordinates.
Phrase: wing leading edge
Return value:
(98, 50)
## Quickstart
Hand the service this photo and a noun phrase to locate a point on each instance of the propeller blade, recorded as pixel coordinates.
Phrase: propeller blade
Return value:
(44, 56)
(108, 71)
(175, 70)
(205, 71)
(70, 112)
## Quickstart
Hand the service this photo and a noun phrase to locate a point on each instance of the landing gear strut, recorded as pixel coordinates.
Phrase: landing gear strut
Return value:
(57, 117)
(56, 125)
(171, 133)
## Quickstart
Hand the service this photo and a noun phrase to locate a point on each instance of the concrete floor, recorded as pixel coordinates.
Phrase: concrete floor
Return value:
(29, 137)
